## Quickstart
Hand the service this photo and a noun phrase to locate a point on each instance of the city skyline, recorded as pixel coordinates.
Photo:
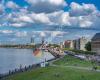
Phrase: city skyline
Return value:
(56, 20)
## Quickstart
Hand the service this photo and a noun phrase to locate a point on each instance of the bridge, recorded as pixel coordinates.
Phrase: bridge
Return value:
(57, 52)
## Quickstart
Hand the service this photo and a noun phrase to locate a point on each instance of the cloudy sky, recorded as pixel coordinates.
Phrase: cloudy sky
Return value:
(56, 20)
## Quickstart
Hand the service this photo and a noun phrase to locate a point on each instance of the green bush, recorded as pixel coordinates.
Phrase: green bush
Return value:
(80, 51)
(83, 52)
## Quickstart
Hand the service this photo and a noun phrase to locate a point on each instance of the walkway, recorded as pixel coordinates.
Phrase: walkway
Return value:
(76, 67)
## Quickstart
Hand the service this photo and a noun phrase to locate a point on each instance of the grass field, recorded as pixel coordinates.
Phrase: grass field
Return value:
(60, 73)
(71, 61)
(56, 73)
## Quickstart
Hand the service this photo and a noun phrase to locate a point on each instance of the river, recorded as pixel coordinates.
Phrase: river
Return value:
(12, 58)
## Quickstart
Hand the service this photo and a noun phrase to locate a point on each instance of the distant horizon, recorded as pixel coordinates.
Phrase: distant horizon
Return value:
(56, 20)
(12, 42)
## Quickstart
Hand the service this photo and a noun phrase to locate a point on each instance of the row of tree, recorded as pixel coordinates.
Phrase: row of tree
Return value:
(88, 46)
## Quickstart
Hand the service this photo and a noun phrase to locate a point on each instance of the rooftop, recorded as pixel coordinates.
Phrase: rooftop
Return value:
(96, 37)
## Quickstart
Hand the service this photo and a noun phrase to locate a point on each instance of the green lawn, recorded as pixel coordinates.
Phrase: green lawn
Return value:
(72, 61)
(60, 73)
(56, 73)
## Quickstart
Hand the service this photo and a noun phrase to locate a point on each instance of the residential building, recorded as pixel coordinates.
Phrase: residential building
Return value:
(68, 44)
(80, 43)
(95, 43)
(61, 44)
(77, 44)
(83, 42)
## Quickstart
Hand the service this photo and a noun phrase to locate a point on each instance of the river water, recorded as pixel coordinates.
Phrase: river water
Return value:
(13, 58)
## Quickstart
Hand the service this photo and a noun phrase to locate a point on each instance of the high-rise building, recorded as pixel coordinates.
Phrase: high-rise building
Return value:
(32, 40)
(80, 43)
(42, 40)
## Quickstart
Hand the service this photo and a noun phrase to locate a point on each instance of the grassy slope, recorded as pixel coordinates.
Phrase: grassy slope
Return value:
(56, 73)
(59, 73)
(71, 61)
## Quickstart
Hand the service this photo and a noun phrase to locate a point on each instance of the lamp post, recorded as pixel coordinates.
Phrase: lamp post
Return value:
(44, 59)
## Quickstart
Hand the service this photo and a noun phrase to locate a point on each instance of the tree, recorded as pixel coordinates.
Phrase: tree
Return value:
(88, 46)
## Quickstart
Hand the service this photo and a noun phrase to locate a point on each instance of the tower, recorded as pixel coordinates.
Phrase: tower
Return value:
(32, 40)
(42, 40)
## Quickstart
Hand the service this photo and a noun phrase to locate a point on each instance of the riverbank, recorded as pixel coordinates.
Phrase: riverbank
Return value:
(25, 69)
(59, 70)
(18, 46)
(11, 59)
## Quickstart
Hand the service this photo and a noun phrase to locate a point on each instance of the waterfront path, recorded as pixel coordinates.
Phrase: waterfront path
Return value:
(75, 67)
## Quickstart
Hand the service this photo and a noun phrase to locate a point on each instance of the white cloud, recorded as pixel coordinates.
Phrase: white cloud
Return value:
(17, 24)
(19, 17)
(46, 5)
(58, 2)
(12, 5)
(60, 18)
(21, 34)
(54, 16)
(1, 8)
(83, 35)
(25, 18)
(80, 15)
(65, 19)
(92, 20)
(85, 23)
(52, 33)
(23, 10)
(22, 19)
(47, 15)
(40, 18)
(6, 31)
(79, 10)
(56, 33)
(42, 34)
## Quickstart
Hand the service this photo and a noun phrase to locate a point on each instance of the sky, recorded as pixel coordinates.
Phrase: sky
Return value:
(55, 20)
